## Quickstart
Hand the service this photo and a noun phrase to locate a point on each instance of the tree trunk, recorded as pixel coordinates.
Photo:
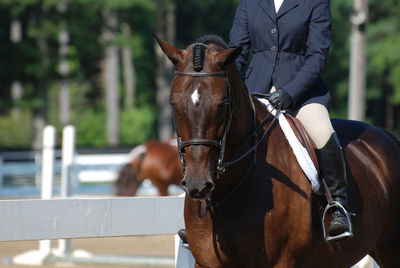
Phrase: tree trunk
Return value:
(358, 61)
(64, 96)
(129, 69)
(17, 90)
(40, 113)
(165, 18)
(111, 77)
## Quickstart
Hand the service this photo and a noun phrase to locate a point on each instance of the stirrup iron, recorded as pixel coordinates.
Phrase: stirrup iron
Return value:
(185, 245)
(183, 238)
(343, 235)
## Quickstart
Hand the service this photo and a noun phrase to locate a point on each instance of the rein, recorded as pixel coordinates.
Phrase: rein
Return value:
(214, 207)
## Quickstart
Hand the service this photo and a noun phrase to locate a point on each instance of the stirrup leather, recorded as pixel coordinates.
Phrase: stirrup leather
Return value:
(349, 233)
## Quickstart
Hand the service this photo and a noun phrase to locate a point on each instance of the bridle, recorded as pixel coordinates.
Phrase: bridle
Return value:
(218, 144)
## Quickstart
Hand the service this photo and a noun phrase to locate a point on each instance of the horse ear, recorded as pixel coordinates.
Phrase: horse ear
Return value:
(227, 56)
(173, 54)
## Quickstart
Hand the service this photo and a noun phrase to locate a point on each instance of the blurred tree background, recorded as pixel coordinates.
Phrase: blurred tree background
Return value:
(94, 64)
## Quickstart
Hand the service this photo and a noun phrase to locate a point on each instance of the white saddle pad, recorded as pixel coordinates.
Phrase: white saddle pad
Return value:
(299, 151)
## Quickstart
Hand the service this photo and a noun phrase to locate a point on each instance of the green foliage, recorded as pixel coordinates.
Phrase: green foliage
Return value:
(383, 54)
(15, 130)
(336, 71)
(35, 61)
(197, 18)
(90, 129)
(137, 125)
(384, 57)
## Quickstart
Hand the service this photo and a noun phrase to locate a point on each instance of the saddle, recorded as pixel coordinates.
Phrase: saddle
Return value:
(307, 143)
(303, 138)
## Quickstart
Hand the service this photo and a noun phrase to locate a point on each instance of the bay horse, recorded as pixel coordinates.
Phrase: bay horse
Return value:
(154, 160)
(248, 203)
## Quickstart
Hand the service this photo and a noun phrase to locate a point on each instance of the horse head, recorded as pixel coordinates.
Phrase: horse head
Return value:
(127, 182)
(202, 110)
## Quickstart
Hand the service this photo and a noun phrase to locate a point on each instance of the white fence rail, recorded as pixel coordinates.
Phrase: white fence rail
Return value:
(81, 218)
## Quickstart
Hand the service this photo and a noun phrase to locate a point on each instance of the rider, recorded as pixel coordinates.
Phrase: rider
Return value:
(290, 41)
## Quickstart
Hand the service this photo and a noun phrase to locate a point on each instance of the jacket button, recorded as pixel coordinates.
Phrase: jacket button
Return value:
(273, 48)
(273, 31)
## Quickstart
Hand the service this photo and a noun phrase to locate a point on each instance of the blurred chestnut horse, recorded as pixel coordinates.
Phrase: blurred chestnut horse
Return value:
(257, 209)
(154, 160)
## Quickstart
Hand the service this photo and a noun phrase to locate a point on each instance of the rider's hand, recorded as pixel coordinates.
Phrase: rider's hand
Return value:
(279, 99)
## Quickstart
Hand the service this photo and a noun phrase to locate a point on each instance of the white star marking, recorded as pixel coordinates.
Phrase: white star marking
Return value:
(195, 97)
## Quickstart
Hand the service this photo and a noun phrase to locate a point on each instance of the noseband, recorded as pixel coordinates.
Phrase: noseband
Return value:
(218, 144)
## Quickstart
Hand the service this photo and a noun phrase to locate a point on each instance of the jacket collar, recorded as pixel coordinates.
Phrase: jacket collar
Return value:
(286, 6)
(269, 7)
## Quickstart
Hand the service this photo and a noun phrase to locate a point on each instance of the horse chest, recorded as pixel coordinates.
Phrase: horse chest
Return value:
(216, 238)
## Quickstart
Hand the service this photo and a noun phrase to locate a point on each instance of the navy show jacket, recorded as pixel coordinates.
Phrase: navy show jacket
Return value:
(289, 48)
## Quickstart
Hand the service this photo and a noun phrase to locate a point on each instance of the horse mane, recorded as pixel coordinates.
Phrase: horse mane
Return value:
(199, 50)
(212, 39)
(198, 57)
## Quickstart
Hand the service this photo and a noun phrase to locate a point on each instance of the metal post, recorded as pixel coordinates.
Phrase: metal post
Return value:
(356, 104)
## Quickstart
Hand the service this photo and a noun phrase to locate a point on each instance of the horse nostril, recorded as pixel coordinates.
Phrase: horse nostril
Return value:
(209, 187)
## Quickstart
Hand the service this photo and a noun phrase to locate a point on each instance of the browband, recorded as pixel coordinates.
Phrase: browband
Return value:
(194, 74)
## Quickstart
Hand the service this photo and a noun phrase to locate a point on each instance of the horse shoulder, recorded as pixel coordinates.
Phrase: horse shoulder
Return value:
(292, 201)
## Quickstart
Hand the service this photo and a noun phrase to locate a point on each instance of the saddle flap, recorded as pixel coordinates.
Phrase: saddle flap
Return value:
(303, 137)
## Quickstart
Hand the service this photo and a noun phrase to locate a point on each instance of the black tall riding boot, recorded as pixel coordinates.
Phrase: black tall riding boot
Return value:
(333, 170)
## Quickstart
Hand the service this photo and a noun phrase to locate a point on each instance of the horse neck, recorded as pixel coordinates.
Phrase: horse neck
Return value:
(241, 128)
(243, 114)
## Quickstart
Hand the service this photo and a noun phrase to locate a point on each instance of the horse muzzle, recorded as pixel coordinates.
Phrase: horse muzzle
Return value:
(197, 188)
